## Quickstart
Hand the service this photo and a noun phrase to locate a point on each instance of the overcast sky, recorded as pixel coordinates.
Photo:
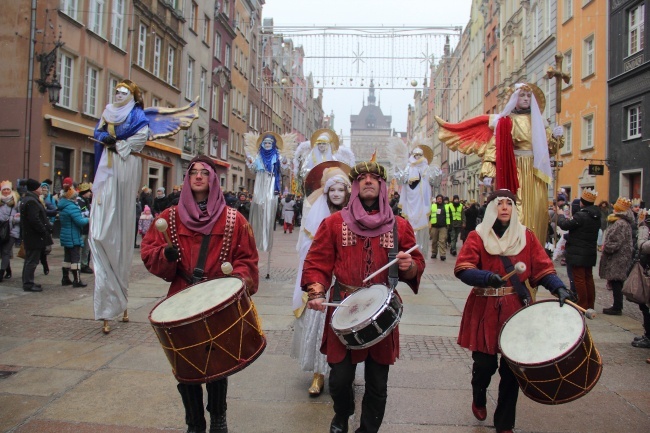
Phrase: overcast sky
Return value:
(389, 13)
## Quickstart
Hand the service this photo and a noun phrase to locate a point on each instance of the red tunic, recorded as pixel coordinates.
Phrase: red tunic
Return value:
(328, 257)
(242, 254)
(484, 316)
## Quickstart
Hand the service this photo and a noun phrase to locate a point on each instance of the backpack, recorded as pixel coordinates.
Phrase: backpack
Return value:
(4, 231)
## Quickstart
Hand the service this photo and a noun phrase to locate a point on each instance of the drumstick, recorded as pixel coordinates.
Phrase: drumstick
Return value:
(333, 304)
(520, 268)
(161, 225)
(389, 264)
(589, 313)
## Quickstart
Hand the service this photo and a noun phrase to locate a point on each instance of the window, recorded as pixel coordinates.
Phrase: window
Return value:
(112, 84)
(117, 26)
(170, 65)
(90, 98)
(568, 139)
(588, 57)
(226, 60)
(587, 132)
(96, 17)
(206, 29)
(67, 80)
(224, 149)
(142, 45)
(69, 7)
(190, 75)
(204, 77)
(568, 67)
(634, 121)
(215, 102)
(226, 8)
(157, 47)
(568, 9)
(225, 111)
(155, 102)
(636, 30)
(217, 46)
(193, 17)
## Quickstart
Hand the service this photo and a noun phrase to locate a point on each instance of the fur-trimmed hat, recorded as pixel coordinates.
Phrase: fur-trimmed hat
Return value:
(622, 204)
(589, 195)
(70, 193)
(6, 184)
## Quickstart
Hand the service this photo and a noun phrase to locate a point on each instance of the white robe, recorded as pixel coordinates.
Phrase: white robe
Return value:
(112, 224)
(416, 203)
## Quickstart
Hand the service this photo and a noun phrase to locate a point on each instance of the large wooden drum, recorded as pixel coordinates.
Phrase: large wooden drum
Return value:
(551, 352)
(209, 330)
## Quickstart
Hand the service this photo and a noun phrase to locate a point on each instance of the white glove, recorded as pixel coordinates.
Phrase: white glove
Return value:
(558, 131)
(487, 181)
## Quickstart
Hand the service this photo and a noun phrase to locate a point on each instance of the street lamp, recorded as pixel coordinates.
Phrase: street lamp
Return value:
(48, 64)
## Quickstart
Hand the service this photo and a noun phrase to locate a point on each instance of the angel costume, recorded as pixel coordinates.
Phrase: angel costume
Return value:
(322, 147)
(517, 154)
(309, 324)
(123, 129)
(415, 197)
(266, 164)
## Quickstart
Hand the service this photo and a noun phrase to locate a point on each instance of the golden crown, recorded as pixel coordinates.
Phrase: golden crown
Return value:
(622, 204)
(589, 195)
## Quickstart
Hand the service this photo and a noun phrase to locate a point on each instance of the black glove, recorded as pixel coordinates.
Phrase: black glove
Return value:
(495, 281)
(171, 254)
(109, 140)
(563, 294)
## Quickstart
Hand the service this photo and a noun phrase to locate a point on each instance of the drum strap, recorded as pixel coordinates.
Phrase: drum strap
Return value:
(522, 291)
(393, 278)
(199, 269)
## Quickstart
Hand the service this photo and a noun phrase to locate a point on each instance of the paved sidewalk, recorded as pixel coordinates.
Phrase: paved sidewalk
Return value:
(60, 373)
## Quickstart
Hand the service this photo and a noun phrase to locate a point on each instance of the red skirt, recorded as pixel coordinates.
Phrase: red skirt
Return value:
(483, 318)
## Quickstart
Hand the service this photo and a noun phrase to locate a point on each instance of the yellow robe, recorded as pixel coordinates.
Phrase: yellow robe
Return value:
(533, 194)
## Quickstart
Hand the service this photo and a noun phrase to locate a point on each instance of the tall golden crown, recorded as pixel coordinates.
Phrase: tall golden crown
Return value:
(622, 204)
(589, 195)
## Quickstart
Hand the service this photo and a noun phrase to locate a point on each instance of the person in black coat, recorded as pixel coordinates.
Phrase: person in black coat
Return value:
(161, 202)
(36, 231)
(138, 213)
(581, 246)
(243, 205)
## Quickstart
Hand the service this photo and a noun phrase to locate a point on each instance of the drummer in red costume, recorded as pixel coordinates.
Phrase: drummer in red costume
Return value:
(350, 245)
(201, 212)
(498, 243)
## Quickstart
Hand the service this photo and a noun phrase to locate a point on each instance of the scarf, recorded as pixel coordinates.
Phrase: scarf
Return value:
(513, 240)
(367, 224)
(189, 211)
(114, 113)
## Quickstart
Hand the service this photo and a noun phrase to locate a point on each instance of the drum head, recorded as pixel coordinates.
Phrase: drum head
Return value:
(541, 332)
(196, 299)
(363, 304)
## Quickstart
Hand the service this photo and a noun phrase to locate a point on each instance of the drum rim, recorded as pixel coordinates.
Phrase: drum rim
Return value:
(380, 336)
(370, 319)
(568, 352)
(203, 314)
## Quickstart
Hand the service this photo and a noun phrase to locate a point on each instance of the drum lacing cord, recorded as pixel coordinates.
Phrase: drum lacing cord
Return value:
(210, 340)
(563, 377)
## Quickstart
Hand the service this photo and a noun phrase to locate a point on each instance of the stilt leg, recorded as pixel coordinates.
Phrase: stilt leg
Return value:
(106, 329)
(125, 317)
(268, 267)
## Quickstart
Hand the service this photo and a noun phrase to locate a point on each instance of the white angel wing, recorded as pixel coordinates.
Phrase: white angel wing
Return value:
(250, 140)
(288, 145)
(345, 154)
(301, 152)
(398, 152)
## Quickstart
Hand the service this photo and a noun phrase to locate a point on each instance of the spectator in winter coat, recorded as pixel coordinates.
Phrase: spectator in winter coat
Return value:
(72, 223)
(617, 252)
(581, 248)
(9, 215)
(84, 200)
(146, 219)
(161, 202)
(36, 232)
(643, 244)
